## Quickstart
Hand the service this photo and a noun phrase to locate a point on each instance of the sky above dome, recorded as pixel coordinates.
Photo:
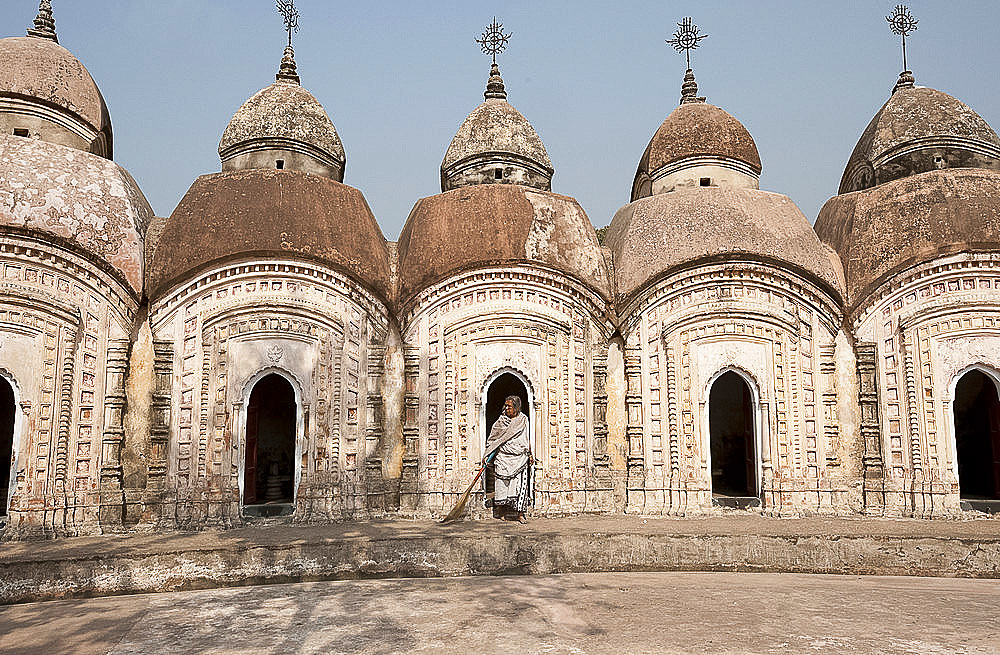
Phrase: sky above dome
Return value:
(594, 78)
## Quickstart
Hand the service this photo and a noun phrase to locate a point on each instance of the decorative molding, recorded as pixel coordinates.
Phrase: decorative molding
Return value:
(726, 284)
(216, 289)
(867, 370)
(539, 280)
(926, 280)
(66, 261)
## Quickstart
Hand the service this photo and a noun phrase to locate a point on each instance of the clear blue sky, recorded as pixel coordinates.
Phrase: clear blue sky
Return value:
(594, 78)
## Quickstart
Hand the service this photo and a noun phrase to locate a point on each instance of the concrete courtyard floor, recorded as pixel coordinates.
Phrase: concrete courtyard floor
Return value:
(592, 613)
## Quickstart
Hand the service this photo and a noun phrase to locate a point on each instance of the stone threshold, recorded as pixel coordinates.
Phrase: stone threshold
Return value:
(172, 561)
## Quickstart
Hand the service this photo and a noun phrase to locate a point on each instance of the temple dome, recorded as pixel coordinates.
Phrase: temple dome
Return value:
(77, 199)
(489, 224)
(919, 129)
(496, 145)
(907, 221)
(654, 236)
(283, 126)
(266, 213)
(695, 198)
(46, 92)
(697, 141)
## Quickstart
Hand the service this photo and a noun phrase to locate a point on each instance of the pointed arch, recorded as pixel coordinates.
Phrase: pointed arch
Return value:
(528, 407)
(290, 437)
(11, 426)
(975, 432)
(732, 425)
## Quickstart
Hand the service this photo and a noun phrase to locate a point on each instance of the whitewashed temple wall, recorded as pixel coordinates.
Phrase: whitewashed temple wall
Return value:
(217, 336)
(546, 329)
(65, 325)
(926, 327)
(777, 332)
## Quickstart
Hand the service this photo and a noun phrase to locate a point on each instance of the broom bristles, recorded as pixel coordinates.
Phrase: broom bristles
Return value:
(459, 508)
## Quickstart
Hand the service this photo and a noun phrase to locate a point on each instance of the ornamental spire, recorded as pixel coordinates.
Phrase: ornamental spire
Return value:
(494, 88)
(287, 72)
(686, 39)
(45, 24)
(493, 42)
(689, 90)
(902, 22)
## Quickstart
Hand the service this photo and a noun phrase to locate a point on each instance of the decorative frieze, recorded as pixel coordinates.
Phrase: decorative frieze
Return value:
(540, 327)
(778, 333)
(227, 330)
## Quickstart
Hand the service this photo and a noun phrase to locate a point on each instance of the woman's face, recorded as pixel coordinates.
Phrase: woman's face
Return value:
(509, 409)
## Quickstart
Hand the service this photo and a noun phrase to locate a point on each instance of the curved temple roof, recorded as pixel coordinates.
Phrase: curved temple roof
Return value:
(74, 195)
(903, 222)
(657, 234)
(487, 224)
(227, 216)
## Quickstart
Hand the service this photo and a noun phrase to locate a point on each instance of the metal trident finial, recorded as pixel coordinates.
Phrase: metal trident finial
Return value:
(290, 15)
(902, 22)
(494, 41)
(686, 38)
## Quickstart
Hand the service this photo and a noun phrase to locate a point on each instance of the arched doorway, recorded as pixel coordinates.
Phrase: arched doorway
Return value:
(269, 468)
(977, 436)
(7, 415)
(733, 452)
(503, 385)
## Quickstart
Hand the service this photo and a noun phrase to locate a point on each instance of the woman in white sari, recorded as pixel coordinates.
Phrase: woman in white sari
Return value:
(509, 439)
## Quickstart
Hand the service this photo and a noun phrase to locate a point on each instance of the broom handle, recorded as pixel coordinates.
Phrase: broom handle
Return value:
(482, 468)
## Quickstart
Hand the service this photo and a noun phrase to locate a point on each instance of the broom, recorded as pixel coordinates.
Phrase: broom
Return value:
(459, 508)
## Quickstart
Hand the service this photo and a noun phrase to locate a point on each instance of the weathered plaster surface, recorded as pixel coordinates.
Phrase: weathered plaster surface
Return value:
(248, 213)
(495, 126)
(283, 110)
(921, 118)
(76, 196)
(653, 235)
(879, 231)
(489, 224)
(419, 549)
(698, 128)
(41, 68)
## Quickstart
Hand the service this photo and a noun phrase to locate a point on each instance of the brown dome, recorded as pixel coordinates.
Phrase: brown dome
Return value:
(488, 224)
(266, 213)
(882, 230)
(87, 201)
(918, 130)
(697, 129)
(655, 235)
(41, 69)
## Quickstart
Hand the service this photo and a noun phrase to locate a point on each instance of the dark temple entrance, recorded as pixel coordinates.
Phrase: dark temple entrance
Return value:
(734, 457)
(269, 470)
(506, 384)
(7, 409)
(977, 440)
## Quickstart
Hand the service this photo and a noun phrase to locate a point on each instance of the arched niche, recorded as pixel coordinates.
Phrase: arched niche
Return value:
(976, 433)
(501, 383)
(11, 421)
(734, 439)
(271, 444)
